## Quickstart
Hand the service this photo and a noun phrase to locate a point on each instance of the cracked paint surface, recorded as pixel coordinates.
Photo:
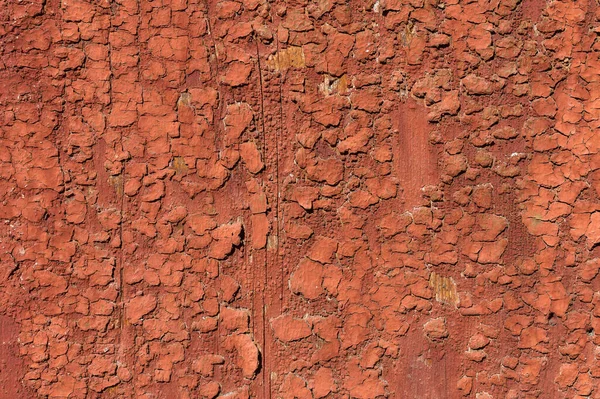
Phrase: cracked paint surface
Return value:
(291, 199)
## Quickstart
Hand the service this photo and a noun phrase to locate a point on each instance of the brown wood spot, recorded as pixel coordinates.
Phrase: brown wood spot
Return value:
(444, 289)
(287, 58)
(332, 85)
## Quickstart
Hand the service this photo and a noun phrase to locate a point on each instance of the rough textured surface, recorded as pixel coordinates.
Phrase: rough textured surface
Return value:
(351, 199)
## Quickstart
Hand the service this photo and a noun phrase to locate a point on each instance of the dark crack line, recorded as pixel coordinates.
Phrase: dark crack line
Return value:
(220, 118)
(120, 192)
(217, 72)
(265, 374)
(277, 200)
